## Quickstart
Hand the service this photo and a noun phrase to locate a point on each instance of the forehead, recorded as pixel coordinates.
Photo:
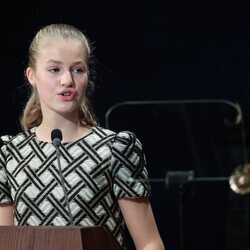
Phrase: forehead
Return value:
(65, 46)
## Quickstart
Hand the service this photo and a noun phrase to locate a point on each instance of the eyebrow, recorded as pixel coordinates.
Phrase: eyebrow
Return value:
(53, 61)
(59, 62)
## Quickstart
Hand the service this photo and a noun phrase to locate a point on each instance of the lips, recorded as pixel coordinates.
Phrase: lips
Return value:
(67, 94)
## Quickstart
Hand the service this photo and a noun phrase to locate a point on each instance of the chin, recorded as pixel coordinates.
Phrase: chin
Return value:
(67, 110)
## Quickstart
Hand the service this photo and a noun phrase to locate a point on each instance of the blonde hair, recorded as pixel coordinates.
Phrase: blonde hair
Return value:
(32, 113)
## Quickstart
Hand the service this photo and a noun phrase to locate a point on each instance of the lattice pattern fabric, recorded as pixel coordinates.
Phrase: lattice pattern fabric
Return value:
(97, 170)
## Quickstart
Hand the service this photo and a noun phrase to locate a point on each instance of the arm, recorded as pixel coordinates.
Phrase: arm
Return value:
(6, 214)
(141, 224)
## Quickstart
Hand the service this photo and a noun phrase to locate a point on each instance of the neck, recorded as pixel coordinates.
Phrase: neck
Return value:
(71, 129)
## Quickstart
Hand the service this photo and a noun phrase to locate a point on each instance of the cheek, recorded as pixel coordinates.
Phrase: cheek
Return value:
(82, 92)
(45, 90)
(83, 86)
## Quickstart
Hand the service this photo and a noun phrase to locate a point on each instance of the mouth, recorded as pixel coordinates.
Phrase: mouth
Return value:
(67, 94)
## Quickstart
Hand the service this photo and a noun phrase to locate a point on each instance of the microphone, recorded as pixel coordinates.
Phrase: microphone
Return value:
(56, 138)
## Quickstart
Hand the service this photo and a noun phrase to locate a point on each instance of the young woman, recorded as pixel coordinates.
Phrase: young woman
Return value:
(97, 165)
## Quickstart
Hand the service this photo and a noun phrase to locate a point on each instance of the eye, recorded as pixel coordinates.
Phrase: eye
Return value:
(78, 70)
(54, 70)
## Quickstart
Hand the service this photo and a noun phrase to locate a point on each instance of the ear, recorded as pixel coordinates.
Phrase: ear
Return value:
(30, 74)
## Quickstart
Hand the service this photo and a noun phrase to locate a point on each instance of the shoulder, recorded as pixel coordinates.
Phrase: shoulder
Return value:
(102, 132)
(127, 141)
(127, 137)
(5, 139)
(121, 139)
(15, 139)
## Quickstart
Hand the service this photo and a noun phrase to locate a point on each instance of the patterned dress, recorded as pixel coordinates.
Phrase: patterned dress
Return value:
(97, 170)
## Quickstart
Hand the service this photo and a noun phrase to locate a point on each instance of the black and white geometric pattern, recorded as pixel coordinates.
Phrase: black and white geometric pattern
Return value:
(97, 170)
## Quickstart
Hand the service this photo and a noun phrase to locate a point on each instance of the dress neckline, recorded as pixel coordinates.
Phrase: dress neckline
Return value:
(33, 131)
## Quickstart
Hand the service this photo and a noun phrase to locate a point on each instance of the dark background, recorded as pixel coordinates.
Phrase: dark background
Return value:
(159, 50)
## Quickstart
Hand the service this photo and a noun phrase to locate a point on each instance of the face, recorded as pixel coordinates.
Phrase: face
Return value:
(60, 76)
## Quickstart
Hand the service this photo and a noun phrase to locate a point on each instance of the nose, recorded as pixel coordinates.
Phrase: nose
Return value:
(67, 79)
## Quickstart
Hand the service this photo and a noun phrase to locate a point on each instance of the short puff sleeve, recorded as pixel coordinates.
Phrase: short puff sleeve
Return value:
(130, 176)
(5, 194)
